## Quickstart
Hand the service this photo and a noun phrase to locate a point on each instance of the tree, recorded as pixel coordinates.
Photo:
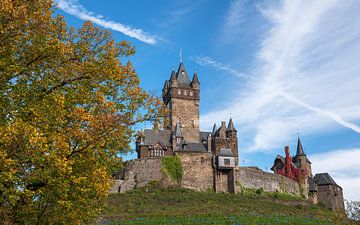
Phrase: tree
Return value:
(67, 108)
(353, 210)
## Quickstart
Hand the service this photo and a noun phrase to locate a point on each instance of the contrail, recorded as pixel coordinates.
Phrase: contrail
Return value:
(334, 116)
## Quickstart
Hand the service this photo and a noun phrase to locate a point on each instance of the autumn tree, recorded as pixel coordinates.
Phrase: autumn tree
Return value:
(68, 102)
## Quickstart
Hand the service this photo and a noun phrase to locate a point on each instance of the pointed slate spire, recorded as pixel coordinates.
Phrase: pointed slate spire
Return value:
(178, 132)
(182, 75)
(173, 76)
(195, 78)
(166, 85)
(214, 129)
(231, 125)
(300, 150)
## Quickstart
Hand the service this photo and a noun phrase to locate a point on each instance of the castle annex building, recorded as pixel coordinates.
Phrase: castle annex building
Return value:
(209, 159)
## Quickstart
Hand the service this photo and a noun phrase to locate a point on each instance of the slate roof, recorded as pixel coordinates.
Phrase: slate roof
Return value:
(226, 152)
(192, 147)
(204, 135)
(300, 150)
(324, 179)
(312, 185)
(231, 125)
(178, 132)
(214, 129)
(152, 137)
(195, 79)
(182, 75)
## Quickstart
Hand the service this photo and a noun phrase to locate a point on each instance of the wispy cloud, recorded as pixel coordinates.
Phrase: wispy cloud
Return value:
(208, 61)
(306, 74)
(73, 7)
(235, 16)
(343, 165)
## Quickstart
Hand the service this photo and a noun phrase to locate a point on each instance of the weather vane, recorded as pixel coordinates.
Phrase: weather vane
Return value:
(298, 132)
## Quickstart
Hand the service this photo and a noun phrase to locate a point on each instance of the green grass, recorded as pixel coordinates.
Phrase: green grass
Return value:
(181, 206)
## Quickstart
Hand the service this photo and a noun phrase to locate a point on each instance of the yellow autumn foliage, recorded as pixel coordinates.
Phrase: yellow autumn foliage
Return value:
(68, 105)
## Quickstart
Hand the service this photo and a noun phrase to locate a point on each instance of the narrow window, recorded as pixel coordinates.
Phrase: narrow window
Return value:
(227, 162)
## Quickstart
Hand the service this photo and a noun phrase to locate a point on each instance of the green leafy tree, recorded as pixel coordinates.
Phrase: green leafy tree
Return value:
(68, 103)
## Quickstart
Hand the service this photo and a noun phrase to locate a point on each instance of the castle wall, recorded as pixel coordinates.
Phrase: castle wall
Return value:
(331, 196)
(197, 170)
(224, 181)
(252, 177)
(138, 173)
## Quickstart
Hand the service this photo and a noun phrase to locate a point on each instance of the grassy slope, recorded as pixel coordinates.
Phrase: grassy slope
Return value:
(179, 206)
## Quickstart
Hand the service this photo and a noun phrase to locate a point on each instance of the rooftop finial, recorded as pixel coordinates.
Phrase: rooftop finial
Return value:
(180, 55)
(298, 132)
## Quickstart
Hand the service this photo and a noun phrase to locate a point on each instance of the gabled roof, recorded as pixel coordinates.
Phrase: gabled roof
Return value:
(324, 179)
(152, 137)
(182, 75)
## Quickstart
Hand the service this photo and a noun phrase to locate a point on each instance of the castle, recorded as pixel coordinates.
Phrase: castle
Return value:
(210, 160)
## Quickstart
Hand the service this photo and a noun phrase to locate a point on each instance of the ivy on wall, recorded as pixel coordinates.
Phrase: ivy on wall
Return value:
(172, 167)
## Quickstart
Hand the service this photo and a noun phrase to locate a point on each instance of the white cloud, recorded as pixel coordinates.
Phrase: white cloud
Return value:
(234, 17)
(306, 75)
(73, 7)
(208, 61)
(343, 165)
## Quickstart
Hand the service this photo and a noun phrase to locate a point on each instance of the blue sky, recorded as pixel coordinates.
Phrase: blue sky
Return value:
(275, 67)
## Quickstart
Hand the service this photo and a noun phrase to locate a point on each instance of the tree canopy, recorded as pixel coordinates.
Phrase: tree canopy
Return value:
(68, 103)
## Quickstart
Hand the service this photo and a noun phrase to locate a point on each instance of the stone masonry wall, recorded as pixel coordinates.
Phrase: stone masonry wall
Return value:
(252, 177)
(197, 170)
(187, 112)
(138, 173)
(331, 196)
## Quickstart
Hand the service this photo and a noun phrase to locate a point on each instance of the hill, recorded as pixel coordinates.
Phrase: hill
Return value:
(182, 206)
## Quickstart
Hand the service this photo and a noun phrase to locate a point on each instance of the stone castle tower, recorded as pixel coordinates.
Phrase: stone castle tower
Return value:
(181, 97)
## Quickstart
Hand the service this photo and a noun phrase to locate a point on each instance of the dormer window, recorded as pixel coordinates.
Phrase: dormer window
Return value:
(179, 92)
(185, 92)
(191, 93)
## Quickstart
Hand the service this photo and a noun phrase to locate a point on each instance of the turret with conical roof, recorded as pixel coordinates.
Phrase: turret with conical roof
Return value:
(195, 83)
(301, 159)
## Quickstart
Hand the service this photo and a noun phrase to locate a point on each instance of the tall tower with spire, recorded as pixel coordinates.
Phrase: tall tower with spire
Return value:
(301, 159)
(181, 97)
